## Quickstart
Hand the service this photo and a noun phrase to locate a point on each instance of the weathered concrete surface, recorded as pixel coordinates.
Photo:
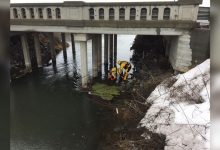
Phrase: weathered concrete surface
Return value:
(180, 54)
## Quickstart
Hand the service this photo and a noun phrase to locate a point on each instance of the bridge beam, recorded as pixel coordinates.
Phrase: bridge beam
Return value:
(180, 52)
(174, 31)
(38, 50)
(26, 52)
(84, 63)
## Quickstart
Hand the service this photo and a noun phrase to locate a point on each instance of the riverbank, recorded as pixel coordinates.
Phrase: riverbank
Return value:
(16, 54)
(123, 130)
(160, 110)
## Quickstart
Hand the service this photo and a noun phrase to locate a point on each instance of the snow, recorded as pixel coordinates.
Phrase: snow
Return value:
(181, 109)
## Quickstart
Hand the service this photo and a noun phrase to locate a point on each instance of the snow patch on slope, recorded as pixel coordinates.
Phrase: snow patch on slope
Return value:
(181, 109)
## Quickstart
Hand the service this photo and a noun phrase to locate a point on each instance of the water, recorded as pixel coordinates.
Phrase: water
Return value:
(49, 112)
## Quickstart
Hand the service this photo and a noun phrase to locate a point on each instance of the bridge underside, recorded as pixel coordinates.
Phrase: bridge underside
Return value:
(98, 30)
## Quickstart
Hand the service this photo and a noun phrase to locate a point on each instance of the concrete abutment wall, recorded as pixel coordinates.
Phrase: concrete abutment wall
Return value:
(180, 54)
(191, 48)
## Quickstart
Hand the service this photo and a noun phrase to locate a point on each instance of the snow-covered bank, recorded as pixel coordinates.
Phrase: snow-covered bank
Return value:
(181, 109)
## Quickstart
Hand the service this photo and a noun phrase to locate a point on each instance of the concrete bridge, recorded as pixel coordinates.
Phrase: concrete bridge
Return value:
(83, 21)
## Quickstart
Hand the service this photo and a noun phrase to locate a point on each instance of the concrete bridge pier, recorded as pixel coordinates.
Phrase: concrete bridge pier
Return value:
(180, 52)
(84, 63)
(111, 50)
(26, 52)
(82, 39)
(38, 50)
(73, 45)
(52, 48)
(63, 37)
(99, 43)
(115, 50)
(95, 56)
(106, 55)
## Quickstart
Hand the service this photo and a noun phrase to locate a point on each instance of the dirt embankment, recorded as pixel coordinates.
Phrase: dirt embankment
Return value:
(151, 68)
(16, 53)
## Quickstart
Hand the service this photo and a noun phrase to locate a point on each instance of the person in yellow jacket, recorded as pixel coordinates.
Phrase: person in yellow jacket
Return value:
(124, 69)
(112, 75)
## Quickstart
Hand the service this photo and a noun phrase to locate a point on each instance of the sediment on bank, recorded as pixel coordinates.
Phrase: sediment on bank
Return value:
(16, 53)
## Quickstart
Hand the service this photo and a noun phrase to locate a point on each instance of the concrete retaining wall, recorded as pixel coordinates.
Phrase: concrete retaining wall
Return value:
(200, 45)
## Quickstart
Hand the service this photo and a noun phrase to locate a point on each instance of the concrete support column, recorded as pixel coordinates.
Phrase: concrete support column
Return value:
(52, 49)
(111, 50)
(63, 36)
(26, 52)
(73, 44)
(180, 53)
(99, 42)
(94, 56)
(106, 54)
(115, 50)
(84, 63)
(38, 50)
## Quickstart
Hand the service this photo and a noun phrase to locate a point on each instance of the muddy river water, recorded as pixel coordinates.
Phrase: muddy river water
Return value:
(49, 112)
